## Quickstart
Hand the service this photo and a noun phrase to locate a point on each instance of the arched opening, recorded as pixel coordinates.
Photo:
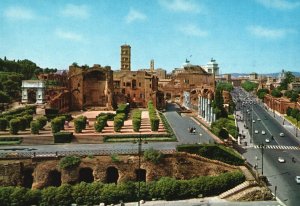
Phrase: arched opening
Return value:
(54, 178)
(140, 175)
(133, 83)
(27, 178)
(86, 175)
(112, 175)
(31, 94)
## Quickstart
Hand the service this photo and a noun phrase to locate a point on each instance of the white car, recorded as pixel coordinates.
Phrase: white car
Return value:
(267, 140)
(263, 132)
(281, 134)
(281, 160)
(253, 121)
(297, 178)
(258, 119)
(256, 131)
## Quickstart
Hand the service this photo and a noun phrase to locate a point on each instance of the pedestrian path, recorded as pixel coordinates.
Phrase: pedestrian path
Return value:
(278, 147)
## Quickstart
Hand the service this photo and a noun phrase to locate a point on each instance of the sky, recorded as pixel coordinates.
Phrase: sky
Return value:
(243, 36)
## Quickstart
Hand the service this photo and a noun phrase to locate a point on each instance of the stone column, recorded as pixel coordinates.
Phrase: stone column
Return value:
(211, 115)
(199, 105)
(24, 95)
(40, 96)
(203, 107)
(206, 109)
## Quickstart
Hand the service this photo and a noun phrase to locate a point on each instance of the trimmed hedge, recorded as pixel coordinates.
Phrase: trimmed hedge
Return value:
(154, 120)
(212, 151)
(35, 127)
(119, 121)
(23, 123)
(14, 126)
(56, 125)
(63, 137)
(80, 124)
(136, 120)
(166, 188)
(101, 122)
(3, 124)
(42, 120)
(123, 108)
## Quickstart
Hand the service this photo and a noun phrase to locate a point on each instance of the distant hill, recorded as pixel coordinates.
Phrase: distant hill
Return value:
(297, 74)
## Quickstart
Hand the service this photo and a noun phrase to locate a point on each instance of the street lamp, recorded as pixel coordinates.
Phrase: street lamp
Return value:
(139, 165)
(262, 146)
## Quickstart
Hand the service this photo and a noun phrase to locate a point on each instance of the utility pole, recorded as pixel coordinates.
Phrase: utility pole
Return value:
(262, 146)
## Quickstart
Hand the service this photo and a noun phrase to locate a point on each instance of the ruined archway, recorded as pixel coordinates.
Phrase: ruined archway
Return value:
(140, 175)
(86, 175)
(27, 178)
(54, 178)
(112, 175)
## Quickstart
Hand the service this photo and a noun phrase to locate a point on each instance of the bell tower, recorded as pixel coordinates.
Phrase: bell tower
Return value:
(125, 57)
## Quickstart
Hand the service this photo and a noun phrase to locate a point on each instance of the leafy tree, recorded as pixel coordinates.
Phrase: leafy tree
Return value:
(294, 97)
(225, 86)
(289, 111)
(288, 78)
(276, 93)
(4, 98)
(261, 93)
(249, 86)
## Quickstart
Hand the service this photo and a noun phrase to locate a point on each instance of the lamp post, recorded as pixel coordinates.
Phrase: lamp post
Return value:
(262, 146)
(139, 166)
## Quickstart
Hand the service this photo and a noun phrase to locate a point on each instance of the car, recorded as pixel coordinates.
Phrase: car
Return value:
(267, 140)
(256, 131)
(297, 178)
(253, 121)
(281, 134)
(281, 160)
(263, 132)
(258, 119)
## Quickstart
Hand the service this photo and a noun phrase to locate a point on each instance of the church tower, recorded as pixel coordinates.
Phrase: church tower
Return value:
(152, 65)
(125, 57)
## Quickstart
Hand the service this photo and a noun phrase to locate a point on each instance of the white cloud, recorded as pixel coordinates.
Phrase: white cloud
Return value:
(268, 33)
(192, 30)
(134, 15)
(279, 4)
(68, 35)
(182, 6)
(77, 11)
(18, 13)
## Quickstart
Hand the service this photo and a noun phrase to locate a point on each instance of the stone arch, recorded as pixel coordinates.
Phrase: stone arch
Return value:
(140, 175)
(86, 175)
(38, 86)
(54, 178)
(112, 175)
(27, 178)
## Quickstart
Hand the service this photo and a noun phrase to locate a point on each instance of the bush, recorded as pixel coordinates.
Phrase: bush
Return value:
(42, 121)
(69, 162)
(14, 125)
(55, 125)
(101, 122)
(136, 120)
(23, 123)
(153, 155)
(63, 137)
(79, 124)
(123, 108)
(119, 122)
(154, 120)
(34, 127)
(28, 118)
(3, 124)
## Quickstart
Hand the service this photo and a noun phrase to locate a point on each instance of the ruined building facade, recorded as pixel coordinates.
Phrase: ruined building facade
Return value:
(90, 87)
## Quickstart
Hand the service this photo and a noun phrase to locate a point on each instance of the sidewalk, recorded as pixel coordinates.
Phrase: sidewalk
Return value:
(245, 140)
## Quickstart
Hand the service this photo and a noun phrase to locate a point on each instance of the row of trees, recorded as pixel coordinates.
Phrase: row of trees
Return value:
(295, 113)
(94, 193)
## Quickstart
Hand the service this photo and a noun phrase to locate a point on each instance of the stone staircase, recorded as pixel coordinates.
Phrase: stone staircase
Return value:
(241, 187)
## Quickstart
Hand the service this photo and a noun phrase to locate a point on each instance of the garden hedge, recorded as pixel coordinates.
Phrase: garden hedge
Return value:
(166, 188)
(63, 137)
(35, 127)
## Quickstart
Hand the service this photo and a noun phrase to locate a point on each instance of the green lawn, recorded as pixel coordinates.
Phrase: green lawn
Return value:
(9, 142)
(293, 120)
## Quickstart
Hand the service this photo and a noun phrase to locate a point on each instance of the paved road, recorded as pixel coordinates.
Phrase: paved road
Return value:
(281, 175)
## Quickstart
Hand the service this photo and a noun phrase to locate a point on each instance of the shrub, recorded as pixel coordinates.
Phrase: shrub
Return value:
(123, 108)
(55, 125)
(136, 120)
(79, 124)
(153, 155)
(28, 118)
(14, 126)
(42, 121)
(69, 162)
(34, 127)
(115, 158)
(154, 120)
(3, 124)
(23, 123)
(119, 122)
(100, 123)
(62, 120)
(63, 137)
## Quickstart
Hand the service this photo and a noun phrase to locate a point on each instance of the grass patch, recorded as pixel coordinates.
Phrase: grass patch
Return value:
(10, 142)
(293, 120)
